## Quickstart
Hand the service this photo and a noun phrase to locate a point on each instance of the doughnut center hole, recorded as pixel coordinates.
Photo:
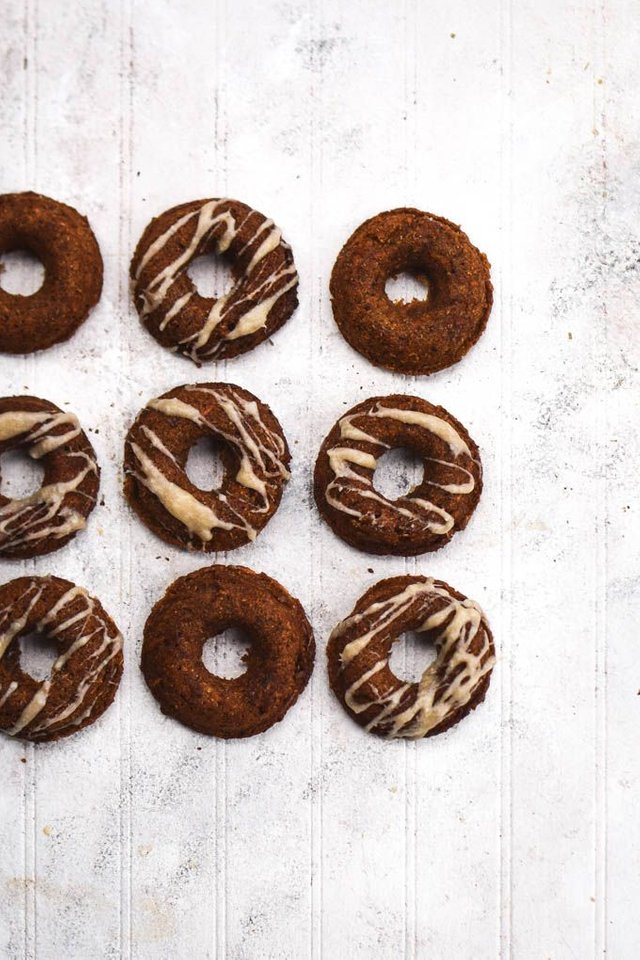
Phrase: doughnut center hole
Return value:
(410, 656)
(225, 654)
(398, 471)
(204, 464)
(38, 654)
(211, 275)
(21, 273)
(407, 287)
(20, 476)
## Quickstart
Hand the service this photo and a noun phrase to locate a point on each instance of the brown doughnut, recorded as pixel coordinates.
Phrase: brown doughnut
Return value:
(450, 687)
(424, 519)
(203, 605)
(425, 335)
(47, 519)
(262, 299)
(254, 455)
(63, 241)
(83, 680)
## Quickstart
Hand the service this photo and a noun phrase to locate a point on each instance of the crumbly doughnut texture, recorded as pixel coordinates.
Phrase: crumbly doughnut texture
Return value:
(451, 686)
(204, 604)
(427, 516)
(84, 678)
(263, 295)
(423, 336)
(63, 241)
(51, 516)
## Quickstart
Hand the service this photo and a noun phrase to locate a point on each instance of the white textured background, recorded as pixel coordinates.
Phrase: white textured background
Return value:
(517, 833)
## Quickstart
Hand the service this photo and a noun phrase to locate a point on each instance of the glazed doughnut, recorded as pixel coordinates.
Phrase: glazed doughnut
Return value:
(425, 335)
(50, 517)
(262, 299)
(84, 678)
(451, 686)
(64, 243)
(425, 518)
(203, 605)
(254, 455)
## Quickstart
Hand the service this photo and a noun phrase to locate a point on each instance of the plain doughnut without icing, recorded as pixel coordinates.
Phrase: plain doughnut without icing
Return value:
(451, 686)
(264, 292)
(63, 241)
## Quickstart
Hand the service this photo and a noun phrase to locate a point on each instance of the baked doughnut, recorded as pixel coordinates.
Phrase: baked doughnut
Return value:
(203, 605)
(425, 518)
(47, 519)
(64, 243)
(84, 678)
(451, 686)
(254, 455)
(262, 299)
(425, 335)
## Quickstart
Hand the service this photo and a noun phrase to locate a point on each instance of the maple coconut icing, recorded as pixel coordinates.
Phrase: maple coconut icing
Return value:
(85, 675)
(254, 455)
(427, 516)
(49, 517)
(452, 685)
(264, 291)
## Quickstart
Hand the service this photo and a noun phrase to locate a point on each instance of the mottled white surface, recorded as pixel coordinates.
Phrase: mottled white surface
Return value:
(517, 833)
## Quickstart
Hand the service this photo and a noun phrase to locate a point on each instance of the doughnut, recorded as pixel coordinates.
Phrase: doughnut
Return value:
(254, 454)
(84, 677)
(63, 241)
(204, 604)
(451, 686)
(47, 519)
(425, 518)
(425, 335)
(262, 299)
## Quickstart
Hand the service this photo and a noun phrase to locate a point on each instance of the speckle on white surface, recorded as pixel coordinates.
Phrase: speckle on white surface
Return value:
(516, 834)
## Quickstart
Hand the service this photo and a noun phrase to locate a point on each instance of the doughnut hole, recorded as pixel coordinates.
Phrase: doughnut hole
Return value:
(211, 275)
(225, 654)
(407, 287)
(397, 473)
(204, 465)
(38, 653)
(411, 654)
(20, 476)
(21, 273)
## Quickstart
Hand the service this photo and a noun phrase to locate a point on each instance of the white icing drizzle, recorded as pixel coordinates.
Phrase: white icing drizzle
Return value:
(260, 450)
(77, 629)
(449, 681)
(44, 514)
(251, 299)
(420, 512)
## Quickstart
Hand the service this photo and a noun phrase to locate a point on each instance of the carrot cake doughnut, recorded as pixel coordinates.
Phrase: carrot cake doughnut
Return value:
(84, 677)
(263, 296)
(425, 518)
(47, 519)
(204, 604)
(254, 455)
(451, 686)
(425, 335)
(63, 241)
